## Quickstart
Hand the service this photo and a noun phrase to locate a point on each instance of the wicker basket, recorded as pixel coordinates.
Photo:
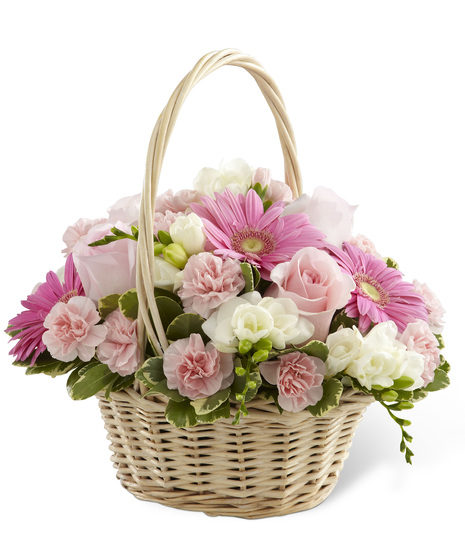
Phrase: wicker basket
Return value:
(270, 464)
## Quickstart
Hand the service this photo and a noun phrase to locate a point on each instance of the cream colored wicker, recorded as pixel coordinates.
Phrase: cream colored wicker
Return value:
(269, 464)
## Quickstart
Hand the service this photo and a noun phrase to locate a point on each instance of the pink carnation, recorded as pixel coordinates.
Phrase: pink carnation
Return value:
(120, 351)
(176, 203)
(276, 191)
(433, 306)
(163, 221)
(298, 377)
(418, 337)
(197, 370)
(208, 281)
(72, 330)
(75, 232)
(365, 245)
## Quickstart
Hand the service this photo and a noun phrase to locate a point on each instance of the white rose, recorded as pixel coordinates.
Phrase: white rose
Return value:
(188, 231)
(344, 347)
(253, 318)
(383, 359)
(165, 274)
(235, 175)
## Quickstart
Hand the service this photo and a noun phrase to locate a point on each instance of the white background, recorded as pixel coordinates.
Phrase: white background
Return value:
(375, 91)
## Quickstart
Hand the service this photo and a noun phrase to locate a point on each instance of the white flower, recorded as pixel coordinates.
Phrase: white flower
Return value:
(383, 359)
(344, 347)
(252, 318)
(165, 274)
(188, 231)
(236, 175)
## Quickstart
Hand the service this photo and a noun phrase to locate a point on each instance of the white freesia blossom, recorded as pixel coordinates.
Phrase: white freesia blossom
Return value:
(249, 317)
(382, 360)
(235, 175)
(165, 274)
(188, 231)
(344, 347)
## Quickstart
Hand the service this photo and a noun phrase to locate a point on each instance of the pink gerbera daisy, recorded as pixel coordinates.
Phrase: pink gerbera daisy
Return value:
(237, 226)
(29, 324)
(380, 294)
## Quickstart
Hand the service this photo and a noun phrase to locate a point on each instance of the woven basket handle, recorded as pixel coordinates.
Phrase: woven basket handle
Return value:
(155, 155)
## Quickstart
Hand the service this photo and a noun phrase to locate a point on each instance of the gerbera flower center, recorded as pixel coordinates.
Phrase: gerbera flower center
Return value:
(68, 296)
(372, 289)
(252, 241)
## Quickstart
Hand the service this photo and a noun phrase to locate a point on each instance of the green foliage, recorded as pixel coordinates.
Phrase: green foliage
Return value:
(168, 309)
(152, 376)
(88, 381)
(107, 305)
(165, 238)
(158, 291)
(341, 319)
(180, 414)
(332, 391)
(129, 304)
(261, 190)
(117, 234)
(207, 405)
(119, 383)
(184, 325)
(440, 381)
(251, 276)
(391, 263)
(53, 368)
(316, 349)
(223, 411)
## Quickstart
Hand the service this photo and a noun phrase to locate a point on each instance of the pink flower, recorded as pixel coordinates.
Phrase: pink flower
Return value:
(197, 370)
(30, 323)
(276, 191)
(177, 203)
(108, 269)
(72, 330)
(75, 232)
(418, 337)
(433, 306)
(208, 281)
(314, 281)
(120, 351)
(126, 210)
(298, 377)
(163, 221)
(365, 245)
(380, 294)
(238, 227)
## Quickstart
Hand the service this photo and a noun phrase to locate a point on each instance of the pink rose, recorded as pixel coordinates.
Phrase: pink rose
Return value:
(120, 351)
(125, 210)
(418, 337)
(365, 245)
(180, 202)
(276, 191)
(314, 281)
(298, 377)
(208, 281)
(75, 232)
(197, 370)
(72, 330)
(108, 269)
(433, 306)
(327, 212)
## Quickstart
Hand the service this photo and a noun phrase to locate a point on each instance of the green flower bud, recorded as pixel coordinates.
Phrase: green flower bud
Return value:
(264, 344)
(245, 346)
(175, 255)
(158, 248)
(260, 356)
(240, 371)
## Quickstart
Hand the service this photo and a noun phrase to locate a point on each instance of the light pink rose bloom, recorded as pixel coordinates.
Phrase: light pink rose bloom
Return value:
(108, 269)
(208, 281)
(163, 221)
(315, 282)
(197, 370)
(177, 203)
(276, 191)
(327, 212)
(298, 377)
(365, 244)
(125, 210)
(418, 337)
(75, 232)
(120, 351)
(72, 330)
(433, 306)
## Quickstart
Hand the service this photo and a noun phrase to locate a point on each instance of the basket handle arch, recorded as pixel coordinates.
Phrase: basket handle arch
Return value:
(145, 268)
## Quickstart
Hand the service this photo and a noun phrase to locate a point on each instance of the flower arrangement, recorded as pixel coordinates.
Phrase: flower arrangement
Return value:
(259, 295)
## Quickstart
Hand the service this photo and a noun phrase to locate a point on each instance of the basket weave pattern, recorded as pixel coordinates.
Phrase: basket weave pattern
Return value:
(268, 465)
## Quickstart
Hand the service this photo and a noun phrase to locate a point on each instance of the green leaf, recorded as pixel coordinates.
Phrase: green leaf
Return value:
(440, 341)
(441, 381)
(180, 414)
(151, 372)
(107, 305)
(168, 309)
(162, 292)
(418, 395)
(184, 325)
(129, 304)
(162, 387)
(268, 391)
(445, 366)
(223, 411)
(341, 319)
(53, 369)
(332, 391)
(119, 383)
(248, 275)
(316, 349)
(95, 379)
(239, 384)
(164, 237)
(208, 404)
(391, 263)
